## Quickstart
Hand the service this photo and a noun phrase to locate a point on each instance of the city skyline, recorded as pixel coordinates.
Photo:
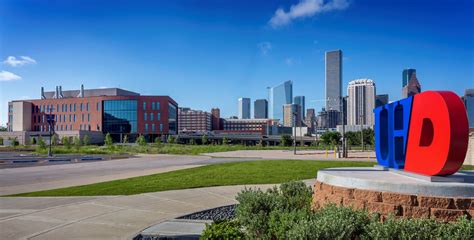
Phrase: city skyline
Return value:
(238, 54)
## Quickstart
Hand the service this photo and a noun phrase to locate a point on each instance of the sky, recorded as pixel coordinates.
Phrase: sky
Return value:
(208, 53)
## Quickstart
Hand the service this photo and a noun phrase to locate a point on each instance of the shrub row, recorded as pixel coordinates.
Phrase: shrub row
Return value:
(285, 213)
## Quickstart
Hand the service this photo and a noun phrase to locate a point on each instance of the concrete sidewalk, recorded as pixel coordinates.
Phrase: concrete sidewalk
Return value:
(114, 217)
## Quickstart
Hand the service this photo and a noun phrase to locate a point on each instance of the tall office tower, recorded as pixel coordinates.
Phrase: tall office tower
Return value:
(300, 100)
(343, 114)
(277, 97)
(361, 102)
(260, 109)
(216, 119)
(310, 119)
(381, 100)
(406, 75)
(469, 103)
(292, 115)
(412, 87)
(333, 80)
(244, 108)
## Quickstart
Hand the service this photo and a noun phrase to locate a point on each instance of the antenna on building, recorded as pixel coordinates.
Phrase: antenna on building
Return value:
(60, 92)
(42, 93)
(81, 92)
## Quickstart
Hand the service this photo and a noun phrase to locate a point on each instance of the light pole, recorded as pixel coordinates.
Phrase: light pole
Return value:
(294, 132)
(361, 132)
(50, 121)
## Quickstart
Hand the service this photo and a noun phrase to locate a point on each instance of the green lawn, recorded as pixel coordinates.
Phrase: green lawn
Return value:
(251, 172)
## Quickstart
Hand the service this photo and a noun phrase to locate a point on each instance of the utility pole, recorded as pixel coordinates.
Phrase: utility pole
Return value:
(50, 124)
(344, 150)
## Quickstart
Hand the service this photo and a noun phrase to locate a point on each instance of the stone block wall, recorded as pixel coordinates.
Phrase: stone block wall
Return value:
(387, 203)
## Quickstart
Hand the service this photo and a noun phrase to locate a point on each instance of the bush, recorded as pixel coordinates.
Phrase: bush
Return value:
(108, 140)
(54, 139)
(286, 140)
(225, 141)
(1, 141)
(66, 142)
(33, 141)
(204, 140)
(77, 142)
(171, 139)
(226, 229)
(41, 143)
(141, 141)
(86, 140)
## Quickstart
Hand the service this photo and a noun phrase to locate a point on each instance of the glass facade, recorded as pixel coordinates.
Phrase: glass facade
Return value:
(172, 119)
(469, 103)
(406, 76)
(120, 116)
(300, 101)
(279, 96)
(333, 80)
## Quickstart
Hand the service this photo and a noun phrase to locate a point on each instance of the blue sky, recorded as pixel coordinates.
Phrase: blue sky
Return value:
(209, 53)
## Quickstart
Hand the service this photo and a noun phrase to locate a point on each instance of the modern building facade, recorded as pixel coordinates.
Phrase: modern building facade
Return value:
(292, 115)
(244, 108)
(310, 119)
(413, 85)
(300, 100)
(469, 103)
(194, 121)
(361, 102)
(277, 97)
(381, 99)
(109, 110)
(333, 80)
(407, 75)
(260, 109)
(328, 119)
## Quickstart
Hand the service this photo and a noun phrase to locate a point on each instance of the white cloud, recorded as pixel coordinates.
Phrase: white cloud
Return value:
(16, 62)
(265, 47)
(305, 8)
(8, 76)
(289, 61)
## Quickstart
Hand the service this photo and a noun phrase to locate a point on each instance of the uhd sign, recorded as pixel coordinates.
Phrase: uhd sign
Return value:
(425, 134)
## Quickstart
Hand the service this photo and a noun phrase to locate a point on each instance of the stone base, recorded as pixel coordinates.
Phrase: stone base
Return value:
(388, 193)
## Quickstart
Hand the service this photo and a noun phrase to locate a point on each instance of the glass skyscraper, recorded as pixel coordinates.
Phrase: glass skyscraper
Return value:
(260, 109)
(277, 97)
(244, 108)
(300, 100)
(406, 75)
(333, 80)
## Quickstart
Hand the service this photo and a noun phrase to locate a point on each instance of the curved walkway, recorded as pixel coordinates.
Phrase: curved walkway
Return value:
(114, 217)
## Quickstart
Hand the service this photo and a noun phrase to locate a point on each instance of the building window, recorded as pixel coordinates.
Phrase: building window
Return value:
(158, 116)
(88, 117)
(146, 127)
(120, 116)
(151, 117)
(161, 127)
(70, 118)
(97, 106)
(74, 117)
(83, 117)
(66, 127)
(87, 107)
(57, 107)
(152, 105)
(157, 105)
(144, 116)
(144, 105)
(70, 107)
(80, 107)
(153, 127)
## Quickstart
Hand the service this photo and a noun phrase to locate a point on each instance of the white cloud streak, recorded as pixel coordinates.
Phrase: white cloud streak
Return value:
(8, 76)
(304, 9)
(17, 62)
(265, 47)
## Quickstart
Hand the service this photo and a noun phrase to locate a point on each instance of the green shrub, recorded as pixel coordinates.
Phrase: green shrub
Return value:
(157, 141)
(141, 141)
(41, 143)
(77, 142)
(86, 140)
(204, 140)
(286, 140)
(33, 141)
(55, 139)
(226, 229)
(66, 142)
(171, 139)
(108, 140)
(225, 141)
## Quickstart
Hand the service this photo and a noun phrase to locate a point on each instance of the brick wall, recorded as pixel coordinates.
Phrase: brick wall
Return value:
(387, 203)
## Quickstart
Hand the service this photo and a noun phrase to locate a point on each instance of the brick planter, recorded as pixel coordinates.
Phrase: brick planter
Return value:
(386, 203)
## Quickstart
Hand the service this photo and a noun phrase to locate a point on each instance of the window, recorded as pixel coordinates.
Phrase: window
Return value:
(97, 106)
(151, 117)
(81, 107)
(87, 106)
(66, 127)
(146, 127)
(153, 127)
(83, 117)
(144, 105)
(57, 107)
(120, 116)
(152, 105)
(158, 116)
(70, 107)
(43, 118)
(161, 127)
(157, 105)
(74, 107)
(74, 117)
(144, 116)
(88, 117)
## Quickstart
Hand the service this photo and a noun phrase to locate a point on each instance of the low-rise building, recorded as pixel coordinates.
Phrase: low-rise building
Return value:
(194, 121)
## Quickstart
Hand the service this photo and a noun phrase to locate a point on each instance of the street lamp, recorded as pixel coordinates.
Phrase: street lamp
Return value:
(294, 132)
(50, 120)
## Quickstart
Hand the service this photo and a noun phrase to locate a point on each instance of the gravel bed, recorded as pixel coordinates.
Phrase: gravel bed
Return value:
(214, 214)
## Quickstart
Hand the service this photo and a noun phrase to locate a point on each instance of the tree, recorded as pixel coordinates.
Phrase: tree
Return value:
(329, 138)
(125, 139)
(86, 140)
(141, 141)
(204, 139)
(66, 142)
(108, 140)
(225, 141)
(55, 139)
(171, 139)
(157, 141)
(286, 140)
(41, 143)
(352, 138)
(77, 142)
(368, 136)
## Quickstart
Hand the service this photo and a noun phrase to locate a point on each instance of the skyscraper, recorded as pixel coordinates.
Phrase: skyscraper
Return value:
(260, 108)
(300, 100)
(244, 108)
(310, 119)
(292, 115)
(361, 102)
(469, 103)
(277, 97)
(381, 100)
(406, 75)
(413, 86)
(333, 80)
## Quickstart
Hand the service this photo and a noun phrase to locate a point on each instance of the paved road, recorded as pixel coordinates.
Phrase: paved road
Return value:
(28, 179)
(114, 217)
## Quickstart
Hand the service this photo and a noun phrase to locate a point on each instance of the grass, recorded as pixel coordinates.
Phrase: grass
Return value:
(161, 149)
(250, 172)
